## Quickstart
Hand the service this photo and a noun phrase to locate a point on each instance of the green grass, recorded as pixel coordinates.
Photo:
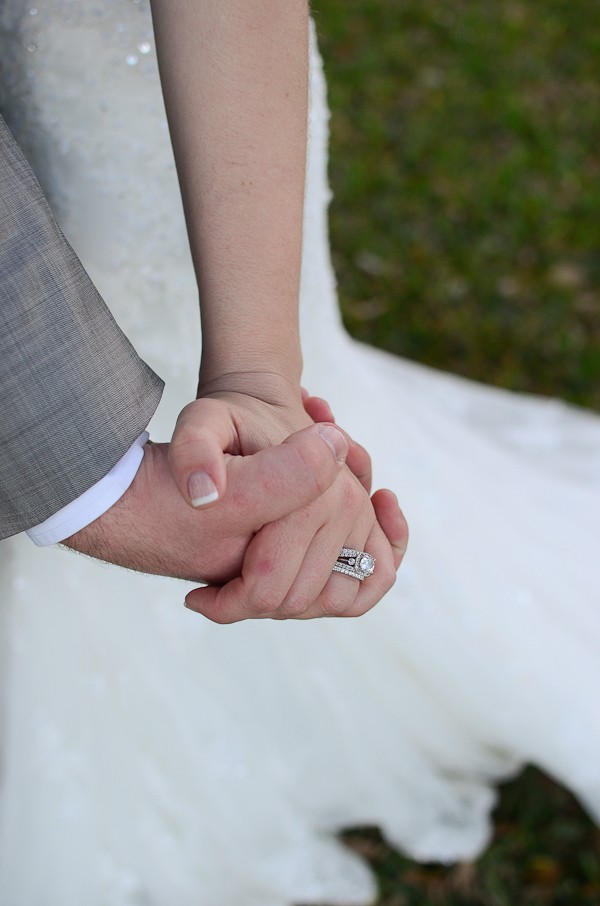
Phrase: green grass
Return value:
(465, 165)
(545, 852)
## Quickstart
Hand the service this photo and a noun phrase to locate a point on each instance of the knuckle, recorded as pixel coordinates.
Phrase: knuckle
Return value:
(355, 613)
(296, 608)
(185, 415)
(332, 606)
(265, 566)
(187, 435)
(351, 493)
(307, 516)
(366, 602)
(263, 604)
(184, 451)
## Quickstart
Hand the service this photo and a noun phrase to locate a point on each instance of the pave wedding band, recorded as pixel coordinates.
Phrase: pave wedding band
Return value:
(357, 564)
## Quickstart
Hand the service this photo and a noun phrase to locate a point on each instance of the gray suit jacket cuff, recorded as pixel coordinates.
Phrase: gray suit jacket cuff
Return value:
(75, 394)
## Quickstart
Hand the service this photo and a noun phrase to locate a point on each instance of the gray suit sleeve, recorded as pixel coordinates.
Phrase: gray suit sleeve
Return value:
(75, 394)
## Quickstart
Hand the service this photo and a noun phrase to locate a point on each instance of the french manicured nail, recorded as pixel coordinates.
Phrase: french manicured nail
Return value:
(335, 440)
(202, 489)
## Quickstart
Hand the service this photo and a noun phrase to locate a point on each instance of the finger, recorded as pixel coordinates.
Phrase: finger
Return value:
(338, 595)
(316, 590)
(392, 521)
(271, 563)
(359, 463)
(358, 460)
(220, 603)
(305, 598)
(204, 430)
(230, 603)
(318, 409)
(373, 588)
(276, 560)
(280, 479)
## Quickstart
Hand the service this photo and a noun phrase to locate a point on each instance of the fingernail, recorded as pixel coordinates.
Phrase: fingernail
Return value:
(202, 489)
(335, 440)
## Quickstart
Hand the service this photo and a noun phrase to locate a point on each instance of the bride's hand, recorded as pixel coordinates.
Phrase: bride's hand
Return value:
(241, 417)
(244, 414)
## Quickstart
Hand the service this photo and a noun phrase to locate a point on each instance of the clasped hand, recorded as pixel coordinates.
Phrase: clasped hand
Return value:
(287, 567)
(281, 497)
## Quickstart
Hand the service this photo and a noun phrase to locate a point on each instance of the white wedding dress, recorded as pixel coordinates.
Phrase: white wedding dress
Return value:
(149, 757)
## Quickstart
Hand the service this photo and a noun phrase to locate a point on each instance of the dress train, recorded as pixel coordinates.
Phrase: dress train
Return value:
(149, 757)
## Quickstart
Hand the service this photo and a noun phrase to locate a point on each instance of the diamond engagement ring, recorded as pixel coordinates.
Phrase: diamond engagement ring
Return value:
(357, 564)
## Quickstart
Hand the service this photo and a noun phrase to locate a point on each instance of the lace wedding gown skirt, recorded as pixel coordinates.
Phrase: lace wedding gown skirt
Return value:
(150, 757)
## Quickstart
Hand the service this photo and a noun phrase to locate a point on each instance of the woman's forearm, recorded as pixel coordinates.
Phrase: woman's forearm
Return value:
(234, 76)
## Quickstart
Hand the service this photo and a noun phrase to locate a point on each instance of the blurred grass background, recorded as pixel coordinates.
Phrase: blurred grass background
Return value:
(465, 163)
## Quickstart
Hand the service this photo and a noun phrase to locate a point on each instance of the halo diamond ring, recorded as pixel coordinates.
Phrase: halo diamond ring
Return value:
(357, 564)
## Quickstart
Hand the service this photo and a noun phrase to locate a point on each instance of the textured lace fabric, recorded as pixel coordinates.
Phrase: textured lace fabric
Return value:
(149, 757)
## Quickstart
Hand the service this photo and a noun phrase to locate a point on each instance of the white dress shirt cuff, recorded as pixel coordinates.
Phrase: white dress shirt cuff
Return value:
(93, 502)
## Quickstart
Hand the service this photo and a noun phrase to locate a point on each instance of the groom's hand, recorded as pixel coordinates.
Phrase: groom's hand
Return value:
(151, 529)
(269, 516)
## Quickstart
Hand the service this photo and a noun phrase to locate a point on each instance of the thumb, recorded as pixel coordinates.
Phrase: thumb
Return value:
(278, 480)
(204, 431)
(359, 461)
